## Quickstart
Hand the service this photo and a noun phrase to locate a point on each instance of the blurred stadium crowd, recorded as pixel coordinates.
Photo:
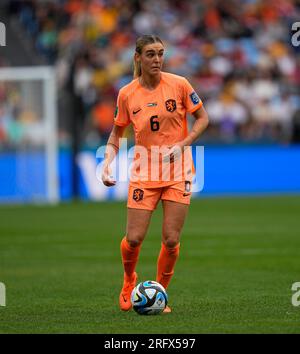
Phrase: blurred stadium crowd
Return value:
(237, 54)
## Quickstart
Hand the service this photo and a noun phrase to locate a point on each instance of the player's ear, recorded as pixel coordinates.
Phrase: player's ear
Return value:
(137, 56)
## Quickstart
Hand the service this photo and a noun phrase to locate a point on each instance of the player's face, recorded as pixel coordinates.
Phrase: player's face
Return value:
(152, 58)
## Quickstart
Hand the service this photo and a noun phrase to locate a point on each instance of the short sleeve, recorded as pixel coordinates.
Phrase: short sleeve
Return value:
(191, 100)
(121, 117)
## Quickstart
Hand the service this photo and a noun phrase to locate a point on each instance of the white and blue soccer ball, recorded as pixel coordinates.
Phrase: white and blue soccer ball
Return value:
(149, 298)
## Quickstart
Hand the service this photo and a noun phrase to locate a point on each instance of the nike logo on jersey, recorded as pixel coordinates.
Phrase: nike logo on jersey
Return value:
(135, 112)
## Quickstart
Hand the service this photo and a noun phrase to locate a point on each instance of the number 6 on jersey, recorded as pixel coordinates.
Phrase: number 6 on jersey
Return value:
(154, 124)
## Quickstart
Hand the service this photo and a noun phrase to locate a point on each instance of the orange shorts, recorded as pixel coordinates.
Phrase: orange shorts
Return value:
(148, 198)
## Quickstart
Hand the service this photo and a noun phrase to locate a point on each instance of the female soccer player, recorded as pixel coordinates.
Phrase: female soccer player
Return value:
(156, 103)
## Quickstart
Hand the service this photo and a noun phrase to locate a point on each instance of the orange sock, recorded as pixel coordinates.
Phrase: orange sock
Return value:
(129, 257)
(166, 264)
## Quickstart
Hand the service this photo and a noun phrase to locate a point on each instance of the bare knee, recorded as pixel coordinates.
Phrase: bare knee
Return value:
(134, 239)
(171, 239)
(170, 243)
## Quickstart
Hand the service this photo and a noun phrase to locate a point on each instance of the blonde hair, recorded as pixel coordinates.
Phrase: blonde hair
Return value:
(140, 44)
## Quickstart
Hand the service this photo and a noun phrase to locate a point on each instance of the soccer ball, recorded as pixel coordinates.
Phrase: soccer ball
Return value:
(149, 298)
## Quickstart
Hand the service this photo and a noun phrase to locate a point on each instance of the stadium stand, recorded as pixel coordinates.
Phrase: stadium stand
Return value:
(237, 54)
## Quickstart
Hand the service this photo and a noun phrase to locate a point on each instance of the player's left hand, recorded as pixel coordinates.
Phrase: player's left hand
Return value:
(174, 153)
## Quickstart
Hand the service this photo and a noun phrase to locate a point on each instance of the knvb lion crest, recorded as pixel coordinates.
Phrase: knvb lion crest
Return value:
(170, 105)
(138, 194)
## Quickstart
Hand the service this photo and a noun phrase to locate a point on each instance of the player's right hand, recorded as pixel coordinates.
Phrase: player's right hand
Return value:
(107, 177)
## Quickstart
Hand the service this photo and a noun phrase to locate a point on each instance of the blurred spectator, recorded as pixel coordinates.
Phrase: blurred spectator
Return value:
(20, 123)
(103, 117)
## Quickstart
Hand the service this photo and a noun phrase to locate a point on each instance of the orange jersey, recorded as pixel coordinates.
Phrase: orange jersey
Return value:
(159, 119)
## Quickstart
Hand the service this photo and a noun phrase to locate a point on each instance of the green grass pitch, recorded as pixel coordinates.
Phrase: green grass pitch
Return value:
(239, 258)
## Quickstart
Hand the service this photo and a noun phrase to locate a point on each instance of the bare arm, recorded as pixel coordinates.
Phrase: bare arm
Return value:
(112, 149)
(200, 124)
